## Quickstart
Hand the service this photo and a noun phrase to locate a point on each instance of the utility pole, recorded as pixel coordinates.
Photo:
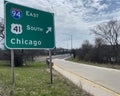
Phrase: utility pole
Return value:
(71, 43)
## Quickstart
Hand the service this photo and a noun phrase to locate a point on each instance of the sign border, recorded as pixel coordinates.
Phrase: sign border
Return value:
(7, 2)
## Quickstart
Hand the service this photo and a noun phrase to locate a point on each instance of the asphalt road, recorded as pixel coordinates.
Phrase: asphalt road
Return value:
(43, 58)
(108, 78)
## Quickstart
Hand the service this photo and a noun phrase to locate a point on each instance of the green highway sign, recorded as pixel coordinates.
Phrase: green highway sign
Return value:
(28, 28)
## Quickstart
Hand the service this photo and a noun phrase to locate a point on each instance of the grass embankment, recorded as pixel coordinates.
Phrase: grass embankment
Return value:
(33, 80)
(114, 66)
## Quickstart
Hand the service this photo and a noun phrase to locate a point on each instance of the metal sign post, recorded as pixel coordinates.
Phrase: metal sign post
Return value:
(51, 77)
(12, 70)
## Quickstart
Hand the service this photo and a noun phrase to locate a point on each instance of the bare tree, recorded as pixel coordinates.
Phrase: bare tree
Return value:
(86, 51)
(2, 36)
(99, 42)
(110, 33)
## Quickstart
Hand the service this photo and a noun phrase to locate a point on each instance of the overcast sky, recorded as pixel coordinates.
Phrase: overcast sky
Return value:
(74, 17)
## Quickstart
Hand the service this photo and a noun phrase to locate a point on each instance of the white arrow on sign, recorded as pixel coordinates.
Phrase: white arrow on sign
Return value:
(49, 29)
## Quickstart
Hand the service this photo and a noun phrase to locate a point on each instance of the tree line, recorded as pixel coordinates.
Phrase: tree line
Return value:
(107, 46)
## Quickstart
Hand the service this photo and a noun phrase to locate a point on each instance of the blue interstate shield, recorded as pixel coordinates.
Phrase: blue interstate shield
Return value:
(16, 13)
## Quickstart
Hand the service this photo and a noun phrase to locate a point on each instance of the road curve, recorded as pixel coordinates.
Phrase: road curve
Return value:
(105, 78)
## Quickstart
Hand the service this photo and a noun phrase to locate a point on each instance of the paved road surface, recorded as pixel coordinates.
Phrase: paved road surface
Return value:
(43, 58)
(109, 79)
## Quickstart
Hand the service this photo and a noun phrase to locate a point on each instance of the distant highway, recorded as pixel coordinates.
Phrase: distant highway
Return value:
(43, 58)
(105, 80)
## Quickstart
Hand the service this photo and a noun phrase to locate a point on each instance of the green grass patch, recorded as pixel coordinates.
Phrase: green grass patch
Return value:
(33, 80)
(4, 63)
(114, 66)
